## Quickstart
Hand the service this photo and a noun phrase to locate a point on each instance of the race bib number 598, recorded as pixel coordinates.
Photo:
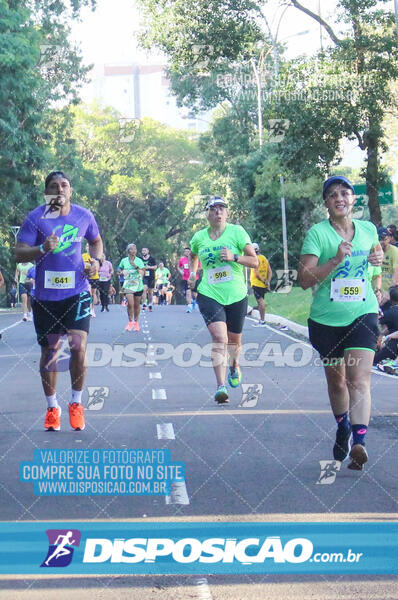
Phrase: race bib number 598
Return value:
(220, 274)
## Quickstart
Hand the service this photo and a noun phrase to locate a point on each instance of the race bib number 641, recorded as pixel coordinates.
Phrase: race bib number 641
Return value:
(59, 280)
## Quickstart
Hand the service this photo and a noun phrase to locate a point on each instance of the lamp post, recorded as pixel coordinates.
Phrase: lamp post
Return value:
(396, 13)
(274, 48)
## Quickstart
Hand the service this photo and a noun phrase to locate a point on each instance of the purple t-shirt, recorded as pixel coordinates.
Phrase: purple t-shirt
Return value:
(60, 273)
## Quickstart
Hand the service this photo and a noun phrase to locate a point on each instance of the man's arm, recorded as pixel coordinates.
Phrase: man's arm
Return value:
(26, 253)
(96, 248)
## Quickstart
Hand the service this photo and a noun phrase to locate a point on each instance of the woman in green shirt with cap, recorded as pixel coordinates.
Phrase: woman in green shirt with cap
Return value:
(224, 250)
(343, 323)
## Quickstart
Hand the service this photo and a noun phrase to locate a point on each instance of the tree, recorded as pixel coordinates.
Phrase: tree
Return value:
(38, 68)
(364, 54)
(141, 179)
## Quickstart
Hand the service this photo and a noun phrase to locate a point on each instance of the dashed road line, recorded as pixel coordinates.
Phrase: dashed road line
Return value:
(179, 494)
(165, 431)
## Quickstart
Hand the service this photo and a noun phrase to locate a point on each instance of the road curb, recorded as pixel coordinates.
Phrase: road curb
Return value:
(278, 320)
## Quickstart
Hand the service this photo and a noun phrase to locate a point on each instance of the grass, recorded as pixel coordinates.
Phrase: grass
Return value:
(294, 306)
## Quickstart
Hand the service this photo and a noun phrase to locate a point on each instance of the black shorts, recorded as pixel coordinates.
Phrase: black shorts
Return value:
(259, 292)
(149, 282)
(185, 286)
(331, 342)
(231, 314)
(59, 316)
(23, 288)
(94, 283)
(136, 294)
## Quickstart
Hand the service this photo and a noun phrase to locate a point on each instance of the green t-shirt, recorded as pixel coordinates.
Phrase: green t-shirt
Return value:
(390, 263)
(132, 278)
(23, 270)
(322, 241)
(221, 280)
(161, 275)
(373, 272)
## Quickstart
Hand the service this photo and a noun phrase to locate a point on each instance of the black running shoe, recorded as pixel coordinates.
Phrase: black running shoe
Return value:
(342, 444)
(358, 456)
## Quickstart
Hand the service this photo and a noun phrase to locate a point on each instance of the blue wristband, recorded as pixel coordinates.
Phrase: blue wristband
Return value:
(41, 248)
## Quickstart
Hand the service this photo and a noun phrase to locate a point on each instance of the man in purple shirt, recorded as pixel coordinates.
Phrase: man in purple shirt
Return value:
(52, 235)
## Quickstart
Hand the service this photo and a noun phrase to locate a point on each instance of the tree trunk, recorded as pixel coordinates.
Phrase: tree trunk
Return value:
(372, 178)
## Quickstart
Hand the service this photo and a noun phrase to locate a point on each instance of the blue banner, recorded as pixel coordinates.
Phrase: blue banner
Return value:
(198, 548)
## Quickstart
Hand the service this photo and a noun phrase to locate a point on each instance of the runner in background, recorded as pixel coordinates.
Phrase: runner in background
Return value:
(105, 273)
(62, 299)
(132, 268)
(162, 276)
(343, 323)
(93, 281)
(189, 293)
(389, 266)
(30, 280)
(20, 277)
(169, 293)
(123, 301)
(224, 250)
(260, 279)
(13, 295)
(149, 279)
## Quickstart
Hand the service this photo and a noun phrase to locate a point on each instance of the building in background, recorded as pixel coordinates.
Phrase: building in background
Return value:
(138, 91)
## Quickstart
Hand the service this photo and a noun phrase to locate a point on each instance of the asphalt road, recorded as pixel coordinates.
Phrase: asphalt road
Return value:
(255, 459)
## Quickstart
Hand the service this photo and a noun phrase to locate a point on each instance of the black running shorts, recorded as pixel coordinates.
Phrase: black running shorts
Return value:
(331, 342)
(59, 316)
(231, 314)
(149, 281)
(259, 292)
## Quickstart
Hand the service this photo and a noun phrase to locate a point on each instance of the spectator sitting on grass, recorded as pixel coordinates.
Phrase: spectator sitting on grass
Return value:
(389, 323)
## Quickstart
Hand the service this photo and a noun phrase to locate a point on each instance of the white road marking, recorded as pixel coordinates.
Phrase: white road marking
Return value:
(11, 326)
(159, 394)
(204, 592)
(155, 375)
(290, 337)
(165, 431)
(179, 494)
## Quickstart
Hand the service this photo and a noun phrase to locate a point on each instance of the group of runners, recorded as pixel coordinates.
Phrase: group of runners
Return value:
(340, 259)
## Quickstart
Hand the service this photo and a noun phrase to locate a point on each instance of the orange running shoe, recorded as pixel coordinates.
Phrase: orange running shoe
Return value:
(52, 421)
(136, 326)
(129, 326)
(76, 416)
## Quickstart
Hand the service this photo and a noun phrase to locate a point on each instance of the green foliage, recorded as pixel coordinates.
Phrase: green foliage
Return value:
(343, 92)
(38, 67)
(144, 190)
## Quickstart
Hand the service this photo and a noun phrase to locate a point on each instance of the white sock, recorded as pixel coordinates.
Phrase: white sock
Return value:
(76, 396)
(52, 401)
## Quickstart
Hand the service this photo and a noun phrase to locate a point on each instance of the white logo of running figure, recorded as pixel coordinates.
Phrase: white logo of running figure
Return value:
(251, 392)
(60, 550)
(96, 397)
(329, 470)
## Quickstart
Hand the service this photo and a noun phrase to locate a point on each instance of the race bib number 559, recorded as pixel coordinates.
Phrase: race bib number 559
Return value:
(348, 290)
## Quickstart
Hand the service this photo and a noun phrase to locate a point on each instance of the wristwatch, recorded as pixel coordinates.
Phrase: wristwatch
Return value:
(236, 256)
